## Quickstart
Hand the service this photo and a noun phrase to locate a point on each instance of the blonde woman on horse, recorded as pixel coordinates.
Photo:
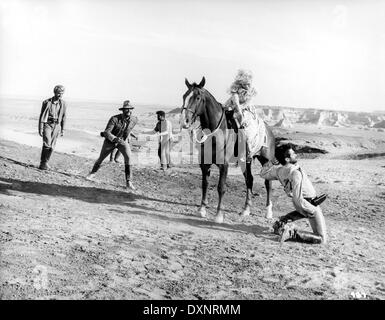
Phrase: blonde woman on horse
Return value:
(242, 92)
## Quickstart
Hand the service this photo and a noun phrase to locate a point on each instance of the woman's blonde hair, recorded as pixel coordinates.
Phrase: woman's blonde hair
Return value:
(242, 85)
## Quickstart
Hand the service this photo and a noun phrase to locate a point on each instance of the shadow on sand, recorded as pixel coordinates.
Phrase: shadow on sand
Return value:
(198, 222)
(86, 194)
(115, 197)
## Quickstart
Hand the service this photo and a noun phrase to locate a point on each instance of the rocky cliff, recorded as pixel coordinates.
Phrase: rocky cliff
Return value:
(287, 116)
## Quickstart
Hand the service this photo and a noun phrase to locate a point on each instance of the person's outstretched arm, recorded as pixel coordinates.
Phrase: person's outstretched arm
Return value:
(269, 171)
(150, 132)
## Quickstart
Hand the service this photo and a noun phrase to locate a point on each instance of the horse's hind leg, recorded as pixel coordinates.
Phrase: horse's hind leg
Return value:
(269, 204)
(223, 169)
(205, 173)
(246, 169)
(269, 187)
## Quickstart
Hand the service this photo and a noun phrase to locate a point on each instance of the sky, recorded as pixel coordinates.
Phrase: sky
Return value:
(318, 54)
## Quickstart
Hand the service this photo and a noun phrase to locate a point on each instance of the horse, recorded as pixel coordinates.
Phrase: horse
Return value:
(217, 147)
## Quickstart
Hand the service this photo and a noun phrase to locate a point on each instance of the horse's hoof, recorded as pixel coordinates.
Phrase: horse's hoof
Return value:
(202, 213)
(269, 216)
(245, 213)
(91, 177)
(219, 218)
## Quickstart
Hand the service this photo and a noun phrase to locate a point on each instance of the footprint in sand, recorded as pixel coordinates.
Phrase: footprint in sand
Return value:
(189, 252)
(174, 265)
(175, 252)
(380, 286)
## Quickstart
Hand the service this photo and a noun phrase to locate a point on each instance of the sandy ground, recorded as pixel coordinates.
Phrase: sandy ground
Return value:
(64, 237)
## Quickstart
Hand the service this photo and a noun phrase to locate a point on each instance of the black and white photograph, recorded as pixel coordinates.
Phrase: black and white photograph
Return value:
(213, 150)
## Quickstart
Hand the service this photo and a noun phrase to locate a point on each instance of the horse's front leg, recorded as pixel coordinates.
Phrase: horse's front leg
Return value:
(246, 169)
(205, 173)
(269, 204)
(223, 169)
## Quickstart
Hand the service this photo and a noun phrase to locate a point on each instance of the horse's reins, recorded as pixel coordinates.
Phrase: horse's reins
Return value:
(206, 136)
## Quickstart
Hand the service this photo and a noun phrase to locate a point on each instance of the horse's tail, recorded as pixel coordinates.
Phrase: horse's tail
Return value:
(270, 143)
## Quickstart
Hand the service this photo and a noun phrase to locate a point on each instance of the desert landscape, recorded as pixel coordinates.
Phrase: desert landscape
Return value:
(64, 237)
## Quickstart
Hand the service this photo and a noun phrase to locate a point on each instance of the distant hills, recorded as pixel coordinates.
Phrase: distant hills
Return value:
(276, 116)
(285, 117)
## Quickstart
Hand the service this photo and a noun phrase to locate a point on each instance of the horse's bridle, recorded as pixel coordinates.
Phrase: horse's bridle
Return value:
(194, 116)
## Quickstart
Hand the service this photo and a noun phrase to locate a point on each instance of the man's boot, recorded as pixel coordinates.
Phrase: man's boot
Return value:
(278, 227)
(129, 184)
(281, 222)
(43, 158)
(308, 237)
(48, 156)
(91, 175)
(288, 232)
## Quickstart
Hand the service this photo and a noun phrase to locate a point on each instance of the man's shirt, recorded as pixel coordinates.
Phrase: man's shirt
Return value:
(54, 110)
(164, 126)
(119, 127)
(58, 112)
(295, 182)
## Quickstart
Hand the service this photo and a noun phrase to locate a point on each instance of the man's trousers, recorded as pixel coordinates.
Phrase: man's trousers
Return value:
(164, 152)
(50, 134)
(107, 147)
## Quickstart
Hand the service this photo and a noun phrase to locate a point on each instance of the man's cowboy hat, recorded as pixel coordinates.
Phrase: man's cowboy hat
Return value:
(126, 105)
(58, 88)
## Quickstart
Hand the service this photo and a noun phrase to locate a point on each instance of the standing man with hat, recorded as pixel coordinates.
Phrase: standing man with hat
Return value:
(51, 123)
(116, 133)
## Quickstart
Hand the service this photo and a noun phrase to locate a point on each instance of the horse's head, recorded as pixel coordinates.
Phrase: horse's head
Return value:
(193, 103)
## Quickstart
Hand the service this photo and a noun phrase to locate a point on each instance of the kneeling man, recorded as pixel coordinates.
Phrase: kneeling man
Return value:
(297, 186)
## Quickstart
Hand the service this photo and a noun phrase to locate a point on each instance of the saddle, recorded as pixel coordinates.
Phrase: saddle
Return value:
(231, 123)
(254, 132)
